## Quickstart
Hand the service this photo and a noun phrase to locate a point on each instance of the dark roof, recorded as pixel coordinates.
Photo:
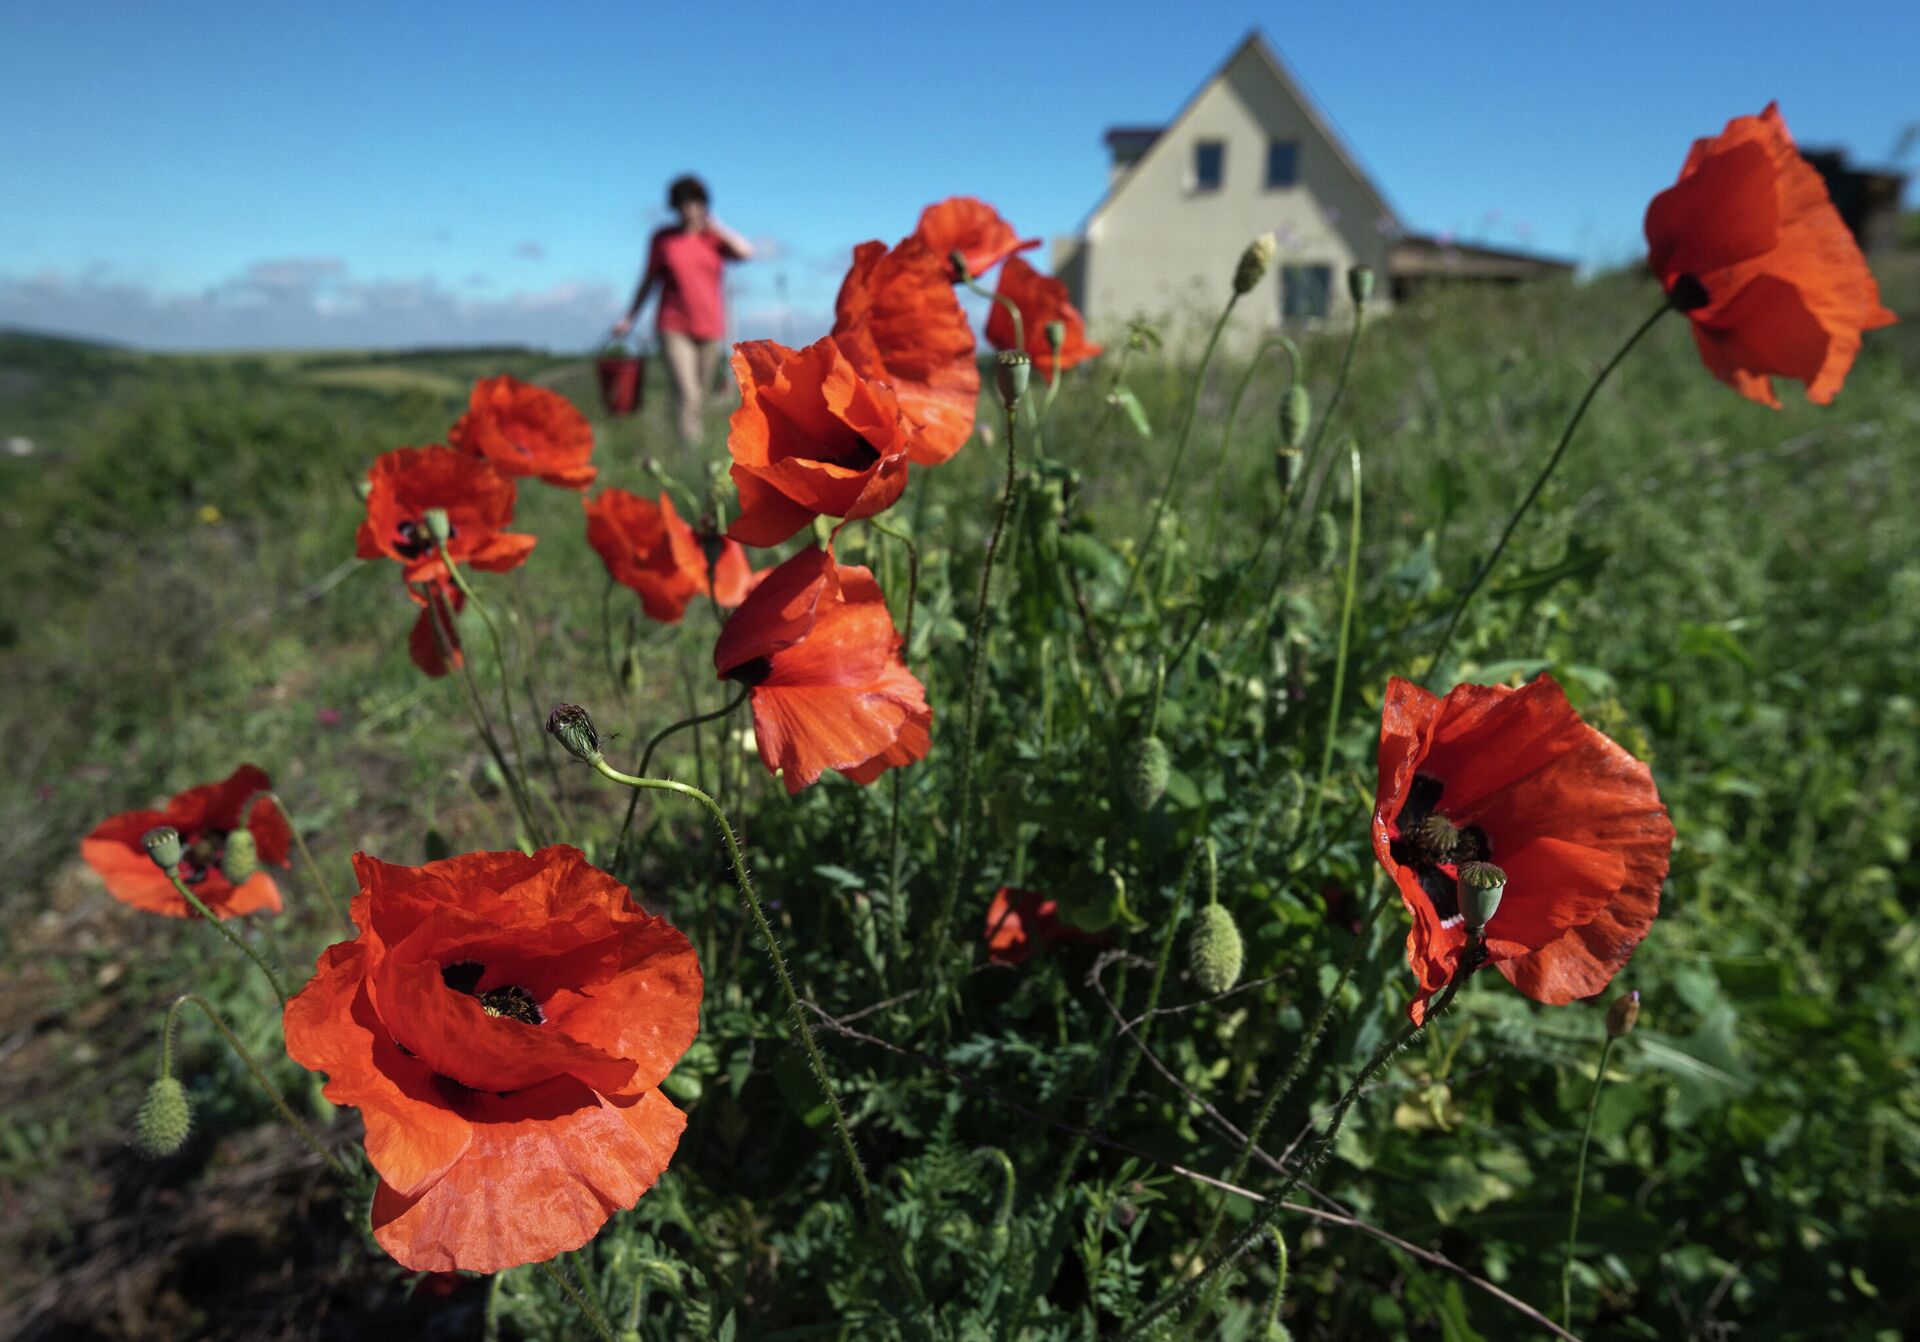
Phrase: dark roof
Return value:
(1132, 137)
(1418, 254)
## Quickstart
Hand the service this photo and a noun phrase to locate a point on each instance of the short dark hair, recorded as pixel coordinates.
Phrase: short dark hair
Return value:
(688, 190)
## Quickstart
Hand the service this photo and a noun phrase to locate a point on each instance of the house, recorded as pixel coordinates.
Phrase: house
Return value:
(1250, 153)
(1868, 198)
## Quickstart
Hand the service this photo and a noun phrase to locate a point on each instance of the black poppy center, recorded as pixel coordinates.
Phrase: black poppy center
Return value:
(751, 673)
(1688, 294)
(856, 455)
(412, 539)
(509, 999)
(200, 855)
(1430, 849)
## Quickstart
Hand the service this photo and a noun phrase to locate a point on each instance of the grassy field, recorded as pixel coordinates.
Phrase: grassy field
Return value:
(1732, 593)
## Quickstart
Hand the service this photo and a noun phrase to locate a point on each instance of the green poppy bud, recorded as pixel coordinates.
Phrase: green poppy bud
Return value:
(1253, 263)
(1479, 886)
(572, 728)
(1215, 951)
(165, 1118)
(1147, 765)
(1011, 370)
(1360, 284)
(163, 846)
(1324, 544)
(242, 857)
(1296, 415)
(1623, 1015)
(439, 526)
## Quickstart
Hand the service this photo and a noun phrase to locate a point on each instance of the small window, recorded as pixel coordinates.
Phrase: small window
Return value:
(1283, 163)
(1209, 164)
(1306, 292)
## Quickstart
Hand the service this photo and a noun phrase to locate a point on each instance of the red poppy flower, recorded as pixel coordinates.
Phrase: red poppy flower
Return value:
(1022, 923)
(646, 546)
(830, 691)
(1515, 778)
(434, 643)
(477, 499)
(526, 430)
(503, 1023)
(897, 321)
(1041, 299)
(972, 228)
(1749, 246)
(812, 437)
(205, 816)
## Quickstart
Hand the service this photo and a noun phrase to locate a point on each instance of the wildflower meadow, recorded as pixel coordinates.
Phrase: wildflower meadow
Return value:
(1398, 832)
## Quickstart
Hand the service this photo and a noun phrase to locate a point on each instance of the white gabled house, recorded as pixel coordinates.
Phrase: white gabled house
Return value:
(1250, 153)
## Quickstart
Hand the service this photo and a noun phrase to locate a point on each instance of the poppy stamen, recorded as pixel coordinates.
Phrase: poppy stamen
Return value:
(509, 999)
(752, 672)
(1688, 294)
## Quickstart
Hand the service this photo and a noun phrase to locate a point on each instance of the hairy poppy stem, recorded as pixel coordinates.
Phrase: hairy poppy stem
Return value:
(180, 886)
(1308, 1041)
(896, 911)
(646, 756)
(589, 1310)
(440, 620)
(306, 855)
(1580, 1186)
(1144, 550)
(1540, 483)
(252, 1065)
(815, 1059)
(506, 696)
(1292, 352)
(970, 732)
(1264, 1215)
(1341, 650)
(1119, 1078)
(1013, 311)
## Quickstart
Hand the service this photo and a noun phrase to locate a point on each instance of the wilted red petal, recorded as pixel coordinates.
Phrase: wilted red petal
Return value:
(526, 430)
(1775, 283)
(973, 228)
(897, 321)
(1041, 299)
(1573, 820)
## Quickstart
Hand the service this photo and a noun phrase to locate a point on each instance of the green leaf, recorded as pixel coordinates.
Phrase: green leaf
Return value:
(1136, 413)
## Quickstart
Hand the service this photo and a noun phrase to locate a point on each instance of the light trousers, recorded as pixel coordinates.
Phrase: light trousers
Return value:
(691, 365)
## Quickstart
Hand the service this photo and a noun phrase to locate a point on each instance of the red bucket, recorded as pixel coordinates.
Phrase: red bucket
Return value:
(622, 383)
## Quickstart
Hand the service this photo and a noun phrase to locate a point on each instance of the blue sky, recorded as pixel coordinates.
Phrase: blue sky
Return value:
(208, 174)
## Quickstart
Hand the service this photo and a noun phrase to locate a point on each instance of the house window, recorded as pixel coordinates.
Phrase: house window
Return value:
(1283, 163)
(1209, 164)
(1306, 292)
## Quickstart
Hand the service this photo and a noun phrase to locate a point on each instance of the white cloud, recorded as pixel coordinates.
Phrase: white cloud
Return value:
(302, 302)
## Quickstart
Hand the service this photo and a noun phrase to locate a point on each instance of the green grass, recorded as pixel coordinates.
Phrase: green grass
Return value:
(1733, 593)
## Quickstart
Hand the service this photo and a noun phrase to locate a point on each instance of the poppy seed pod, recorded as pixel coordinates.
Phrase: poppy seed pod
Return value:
(1360, 284)
(241, 858)
(163, 846)
(1479, 886)
(1148, 764)
(1286, 461)
(1215, 951)
(1296, 414)
(1011, 371)
(165, 1118)
(1056, 336)
(1623, 1015)
(573, 729)
(439, 527)
(1254, 263)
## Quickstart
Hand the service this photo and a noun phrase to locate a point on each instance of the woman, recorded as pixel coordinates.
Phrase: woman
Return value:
(684, 259)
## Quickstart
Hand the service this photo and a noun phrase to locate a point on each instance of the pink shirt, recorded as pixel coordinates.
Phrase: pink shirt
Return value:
(688, 266)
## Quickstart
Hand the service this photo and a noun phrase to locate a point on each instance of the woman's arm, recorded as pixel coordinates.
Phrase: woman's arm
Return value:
(736, 247)
(648, 279)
